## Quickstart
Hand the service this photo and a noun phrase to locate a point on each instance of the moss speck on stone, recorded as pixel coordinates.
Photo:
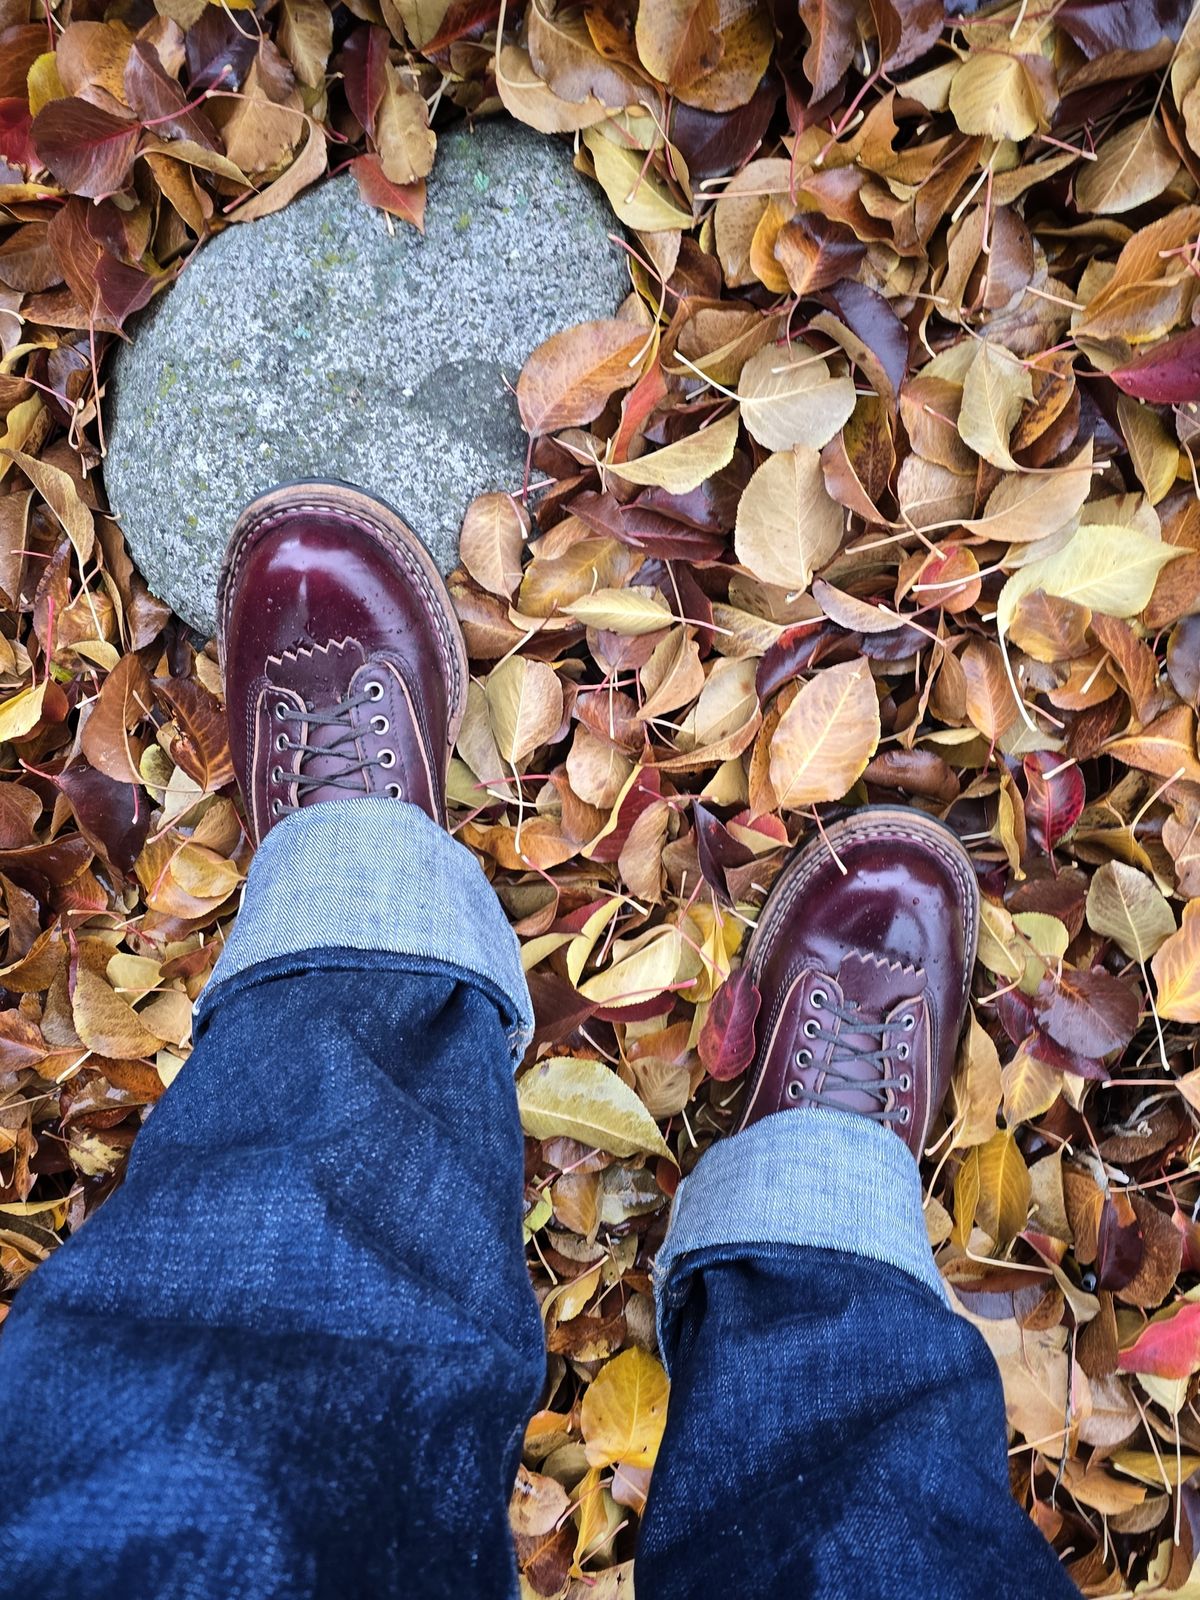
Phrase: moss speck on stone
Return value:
(462, 222)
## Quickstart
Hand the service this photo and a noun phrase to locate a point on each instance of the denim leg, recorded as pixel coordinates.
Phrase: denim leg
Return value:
(835, 1431)
(294, 1355)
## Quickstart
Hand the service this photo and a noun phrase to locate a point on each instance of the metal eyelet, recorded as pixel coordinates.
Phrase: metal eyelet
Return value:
(902, 1051)
(905, 1083)
(373, 690)
(395, 791)
(794, 1090)
(818, 998)
(809, 1029)
(281, 709)
(282, 742)
(380, 724)
(387, 758)
(906, 1115)
(276, 774)
(908, 1023)
(276, 807)
(803, 1058)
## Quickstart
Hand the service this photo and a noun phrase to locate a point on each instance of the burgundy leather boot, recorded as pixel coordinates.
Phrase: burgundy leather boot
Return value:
(864, 972)
(345, 669)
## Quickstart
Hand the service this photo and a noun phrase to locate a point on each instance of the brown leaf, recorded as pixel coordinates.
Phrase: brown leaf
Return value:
(109, 739)
(568, 379)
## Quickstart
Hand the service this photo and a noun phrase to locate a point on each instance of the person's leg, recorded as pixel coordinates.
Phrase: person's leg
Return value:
(294, 1355)
(834, 1430)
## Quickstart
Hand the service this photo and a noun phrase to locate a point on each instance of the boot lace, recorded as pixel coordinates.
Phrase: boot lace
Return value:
(344, 746)
(844, 1053)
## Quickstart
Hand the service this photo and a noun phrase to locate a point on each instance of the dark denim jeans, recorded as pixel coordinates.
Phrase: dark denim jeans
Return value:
(294, 1355)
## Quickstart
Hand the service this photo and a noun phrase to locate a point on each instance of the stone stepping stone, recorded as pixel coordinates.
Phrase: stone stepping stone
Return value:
(314, 343)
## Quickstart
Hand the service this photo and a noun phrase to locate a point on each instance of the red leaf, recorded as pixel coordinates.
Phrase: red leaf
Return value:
(726, 1042)
(1169, 1348)
(364, 56)
(1120, 1246)
(716, 849)
(1168, 375)
(15, 144)
(1090, 1012)
(160, 102)
(1054, 803)
(113, 817)
(406, 201)
(89, 151)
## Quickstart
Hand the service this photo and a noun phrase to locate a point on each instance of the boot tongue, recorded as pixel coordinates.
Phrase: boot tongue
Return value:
(332, 683)
(875, 988)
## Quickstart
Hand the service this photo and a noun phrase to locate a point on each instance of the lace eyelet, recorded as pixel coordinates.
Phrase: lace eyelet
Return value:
(905, 1083)
(276, 774)
(282, 742)
(809, 1029)
(794, 1090)
(276, 808)
(395, 791)
(902, 1051)
(380, 724)
(818, 998)
(387, 758)
(905, 1115)
(281, 709)
(908, 1023)
(803, 1058)
(373, 689)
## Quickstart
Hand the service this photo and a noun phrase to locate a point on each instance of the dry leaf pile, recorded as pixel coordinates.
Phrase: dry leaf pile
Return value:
(881, 484)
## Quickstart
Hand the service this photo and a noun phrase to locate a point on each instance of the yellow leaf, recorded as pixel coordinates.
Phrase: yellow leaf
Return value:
(1109, 568)
(43, 83)
(402, 132)
(1030, 1088)
(826, 736)
(1002, 96)
(789, 397)
(976, 1087)
(1130, 168)
(1176, 968)
(995, 388)
(640, 199)
(629, 612)
(525, 706)
(624, 1410)
(106, 1023)
(1125, 905)
(684, 465)
(585, 1100)
(997, 1174)
(788, 526)
(22, 713)
(641, 975)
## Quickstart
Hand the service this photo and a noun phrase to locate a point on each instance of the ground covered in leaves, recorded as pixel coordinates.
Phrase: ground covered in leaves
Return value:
(880, 485)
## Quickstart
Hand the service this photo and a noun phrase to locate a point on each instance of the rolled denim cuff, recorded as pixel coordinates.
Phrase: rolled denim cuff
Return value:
(373, 874)
(828, 1180)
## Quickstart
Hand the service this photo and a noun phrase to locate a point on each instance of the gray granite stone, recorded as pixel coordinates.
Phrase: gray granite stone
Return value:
(316, 343)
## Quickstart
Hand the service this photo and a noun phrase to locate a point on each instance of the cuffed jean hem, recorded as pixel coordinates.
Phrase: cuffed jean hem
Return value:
(829, 1180)
(373, 874)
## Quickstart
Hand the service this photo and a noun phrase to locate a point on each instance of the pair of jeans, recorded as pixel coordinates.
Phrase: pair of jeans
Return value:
(293, 1356)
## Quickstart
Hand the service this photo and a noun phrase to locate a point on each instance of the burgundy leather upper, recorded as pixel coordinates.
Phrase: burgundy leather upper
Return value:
(344, 665)
(864, 973)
